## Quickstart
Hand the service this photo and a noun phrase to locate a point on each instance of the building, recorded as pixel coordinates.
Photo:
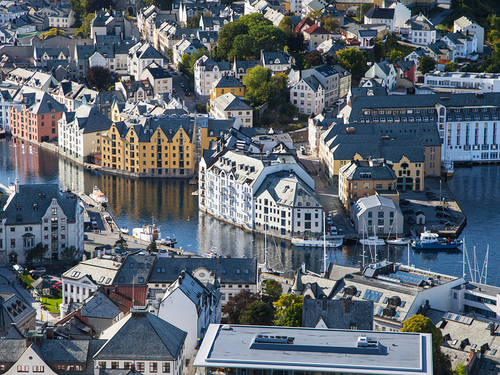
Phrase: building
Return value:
(233, 274)
(187, 45)
(421, 31)
(376, 15)
(478, 299)
(228, 105)
(83, 280)
(159, 78)
(140, 56)
(35, 214)
(308, 95)
(60, 16)
(245, 349)
(378, 212)
(6, 101)
(136, 91)
(191, 306)
(80, 133)
(34, 115)
(462, 81)
(462, 45)
(334, 80)
(464, 25)
(278, 62)
(385, 71)
(361, 178)
(337, 314)
(207, 71)
(315, 35)
(227, 84)
(111, 23)
(231, 181)
(15, 312)
(142, 342)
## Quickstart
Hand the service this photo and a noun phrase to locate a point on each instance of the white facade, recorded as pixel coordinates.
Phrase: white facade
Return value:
(464, 25)
(12, 12)
(98, 60)
(485, 82)
(401, 15)
(329, 78)
(307, 97)
(207, 73)
(478, 298)
(462, 45)
(386, 72)
(140, 56)
(5, 104)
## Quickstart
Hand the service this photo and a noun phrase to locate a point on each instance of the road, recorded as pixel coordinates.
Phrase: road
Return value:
(440, 17)
(189, 101)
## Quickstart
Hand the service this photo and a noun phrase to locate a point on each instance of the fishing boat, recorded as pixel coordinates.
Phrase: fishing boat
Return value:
(447, 168)
(98, 196)
(432, 241)
(150, 232)
(331, 241)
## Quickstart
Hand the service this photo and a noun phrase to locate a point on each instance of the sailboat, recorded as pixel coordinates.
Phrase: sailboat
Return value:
(398, 241)
(263, 266)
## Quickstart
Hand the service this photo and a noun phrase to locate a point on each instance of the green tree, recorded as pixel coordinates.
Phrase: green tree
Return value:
(314, 58)
(394, 56)
(391, 42)
(226, 38)
(84, 30)
(70, 253)
(99, 77)
(289, 310)
(242, 47)
(194, 22)
(121, 243)
(78, 6)
(37, 253)
(273, 289)
(170, 54)
(152, 247)
(52, 32)
(378, 50)
(92, 6)
(361, 12)
(451, 66)
(286, 25)
(296, 44)
(330, 23)
(353, 60)
(426, 64)
(315, 15)
(460, 369)
(237, 304)
(258, 85)
(257, 313)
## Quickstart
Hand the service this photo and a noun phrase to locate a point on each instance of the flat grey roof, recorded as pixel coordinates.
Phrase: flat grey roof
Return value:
(325, 350)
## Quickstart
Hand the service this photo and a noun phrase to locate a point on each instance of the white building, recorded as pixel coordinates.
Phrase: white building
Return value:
(386, 72)
(82, 280)
(61, 16)
(192, 307)
(11, 12)
(229, 184)
(206, 72)
(376, 215)
(401, 15)
(377, 16)
(484, 82)
(329, 77)
(79, 132)
(308, 95)
(159, 77)
(462, 44)
(35, 214)
(463, 24)
(421, 31)
(140, 56)
(186, 45)
(6, 96)
(278, 62)
(229, 105)
(480, 299)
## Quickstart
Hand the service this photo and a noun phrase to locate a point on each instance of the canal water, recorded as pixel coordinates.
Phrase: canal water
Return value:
(134, 202)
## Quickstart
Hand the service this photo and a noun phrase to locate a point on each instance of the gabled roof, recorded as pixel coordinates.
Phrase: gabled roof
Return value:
(230, 102)
(463, 22)
(100, 306)
(312, 82)
(227, 81)
(337, 315)
(316, 29)
(136, 269)
(142, 336)
(305, 23)
(380, 13)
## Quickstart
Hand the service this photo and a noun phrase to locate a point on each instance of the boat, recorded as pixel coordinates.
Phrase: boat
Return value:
(194, 193)
(432, 241)
(124, 230)
(447, 168)
(372, 241)
(398, 241)
(331, 241)
(149, 233)
(168, 241)
(98, 196)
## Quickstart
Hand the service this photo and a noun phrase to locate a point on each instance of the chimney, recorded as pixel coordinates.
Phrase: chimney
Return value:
(50, 333)
(219, 259)
(180, 280)
(99, 254)
(324, 303)
(347, 305)
(17, 185)
(492, 329)
(132, 368)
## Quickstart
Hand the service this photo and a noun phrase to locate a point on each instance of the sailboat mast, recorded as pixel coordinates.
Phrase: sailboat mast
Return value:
(324, 244)
(464, 249)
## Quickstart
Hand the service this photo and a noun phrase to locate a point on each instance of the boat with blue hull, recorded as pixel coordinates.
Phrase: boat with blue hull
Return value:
(432, 241)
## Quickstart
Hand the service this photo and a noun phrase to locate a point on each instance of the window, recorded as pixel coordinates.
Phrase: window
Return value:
(102, 365)
(126, 365)
(23, 368)
(114, 365)
(166, 367)
(153, 367)
(140, 366)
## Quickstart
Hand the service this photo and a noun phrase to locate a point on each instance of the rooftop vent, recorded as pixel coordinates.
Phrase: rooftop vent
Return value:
(274, 339)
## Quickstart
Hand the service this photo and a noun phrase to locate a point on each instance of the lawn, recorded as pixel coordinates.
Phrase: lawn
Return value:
(52, 304)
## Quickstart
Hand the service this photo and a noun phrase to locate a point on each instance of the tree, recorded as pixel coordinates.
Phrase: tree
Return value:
(92, 6)
(237, 304)
(52, 32)
(226, 38)
(378, 50)
(37, 253)
(426, 64)
(422, 324)
(391, 42)
(78, 7)
(99, 77)
(289, 310)
(353, 60)
(194, 22)
(451, 66)
(394, 56)
(361, 12)
(257, 82)
(121, 243)
(460, 369)
(330, 23)
(84, 30)
(152, 248)
(296, 43)
(70, 253)
(315, 15)
(314, 58)
(273, 289)
(257, 313)
(286, 25)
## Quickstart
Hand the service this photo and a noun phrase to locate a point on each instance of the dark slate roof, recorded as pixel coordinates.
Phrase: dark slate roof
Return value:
(229, 270)
(39, 102)
(89, 118)
(137, 265)
(100, 306)
(357, 169)
(12, 349)
(336, 315)
(405, 65)
(312, 82)
(142, 336)
(380, 13)
(270, 57)
(385, 66)
(245, 64)
(65, 351)
(107, 97)
(42, 195)
(208, 35)
(107, 39)
(158, 73)
(227, 81)
(326, 70)
(107, 50)
(84, 52)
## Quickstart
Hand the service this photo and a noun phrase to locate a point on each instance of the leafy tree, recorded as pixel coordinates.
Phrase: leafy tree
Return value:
(378, 50)
(152, 247)
(296, 43)
(262, 87)
(314, 58)
(99, 77)
(361, 12)
(286, 25)
(92, 6)
(37, 253)
(257, 313)
(78, 7)
(194, 22)
(121, 243)
(330, 23)
(170, 54)
(451, 66)
(460, 369)
(394, 56)
(187, 63)
(70, 253)
(391, 42)
(162, 4)
(237, 304)
(273, 289)
(226, 38)
(84, 30)
(243, 47)
(52, 32)
(289, 310)
(426, 64)
(353, 60)
(315, 15)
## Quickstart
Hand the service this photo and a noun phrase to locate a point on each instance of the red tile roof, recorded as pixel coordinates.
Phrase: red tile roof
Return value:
(316, 29)
(306, 22)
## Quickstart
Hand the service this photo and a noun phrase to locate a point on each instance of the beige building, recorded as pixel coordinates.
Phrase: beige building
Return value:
(158, 77)
(228, 105)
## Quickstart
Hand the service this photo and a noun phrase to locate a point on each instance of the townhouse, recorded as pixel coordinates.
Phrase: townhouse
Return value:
(463, 45)
(377, 215)
(207, 71)
(464, 25)
(226, 84)
(229, 105)
(60, 16)
(159, 78)
(376, 15)
(136, 90)
(315, 35)
(187, 45)
(6, 101)
(308, 95)
(140, 56)
(278, 62)
(11, 12)
(111, 23)
(39, 213)
(386, 72)
(335, 80)
(421, 31)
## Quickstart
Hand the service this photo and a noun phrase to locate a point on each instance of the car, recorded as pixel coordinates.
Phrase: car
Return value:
(404, 202)
(433, 198)
(441, 208)
(302, 150)
(182, 85)
(408, 212)
(39, 272)
(428, 193)
(411, 220)
(174, 72)
(85, 237)
(57, 285)
(444, 215)
(188, 94)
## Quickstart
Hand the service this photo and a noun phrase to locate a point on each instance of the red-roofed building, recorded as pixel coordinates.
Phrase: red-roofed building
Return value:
(315, 35)
(304, 24)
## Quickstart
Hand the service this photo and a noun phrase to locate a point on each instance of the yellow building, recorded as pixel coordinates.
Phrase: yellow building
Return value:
(227, 84)
(159, 146)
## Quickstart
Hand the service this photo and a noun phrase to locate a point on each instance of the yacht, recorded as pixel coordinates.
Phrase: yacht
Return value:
(149, 233)
(98, 196)
(372, 241)
(432, 241)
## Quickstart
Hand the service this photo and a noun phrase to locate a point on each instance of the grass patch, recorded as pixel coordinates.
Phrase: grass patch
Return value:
(52, 304)
(27, 279)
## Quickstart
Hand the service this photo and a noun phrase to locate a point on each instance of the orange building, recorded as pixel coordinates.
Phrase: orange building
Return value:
(34, 115)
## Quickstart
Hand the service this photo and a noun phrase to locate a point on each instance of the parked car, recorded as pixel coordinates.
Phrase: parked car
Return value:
(39, 272)
(188, 94)
(404, 202)
(444, 215)
(302, 150)
(441, 208)
(411, 220)
(430, 193)
(433, 197)
(182, 85)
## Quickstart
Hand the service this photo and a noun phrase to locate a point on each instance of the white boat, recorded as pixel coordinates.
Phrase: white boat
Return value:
(98, 196)
(124, 230)
(372, 241)
(149, 233)
(432, 241)
(399, 241)
(447, 168)
(331, 241)
(168, 241)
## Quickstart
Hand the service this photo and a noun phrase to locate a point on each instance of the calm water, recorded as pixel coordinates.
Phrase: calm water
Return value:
(134, 202)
